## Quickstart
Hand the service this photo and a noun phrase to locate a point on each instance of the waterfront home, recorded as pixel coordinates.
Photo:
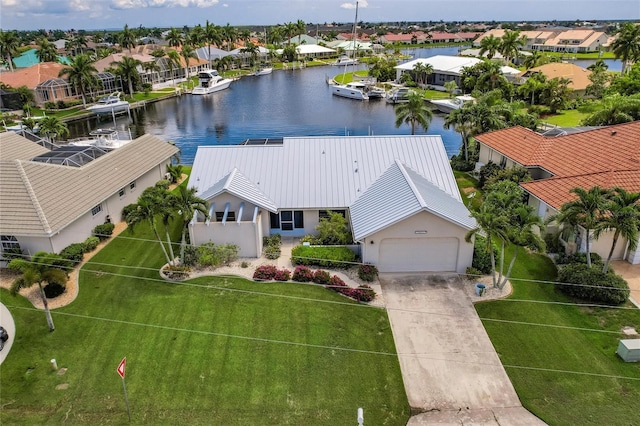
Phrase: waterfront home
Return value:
(397, 192)
(578, 77)
(52, 198)
(445, 68)
(606, 157)
(569, 41)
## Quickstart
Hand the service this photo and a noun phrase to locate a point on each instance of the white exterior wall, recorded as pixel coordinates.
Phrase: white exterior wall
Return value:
(246, 235)
(633, 257)
(435, 226)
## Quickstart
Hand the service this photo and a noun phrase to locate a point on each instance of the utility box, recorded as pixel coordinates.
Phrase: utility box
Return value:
(629, 350)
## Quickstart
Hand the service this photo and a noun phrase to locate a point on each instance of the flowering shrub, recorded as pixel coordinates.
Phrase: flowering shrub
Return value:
(302, 274)
(367, 272)
(265, 272)
(321, 277)
(363, 293)
(282, 275)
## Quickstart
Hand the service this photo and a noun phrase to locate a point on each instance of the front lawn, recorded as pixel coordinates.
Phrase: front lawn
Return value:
(208, 351)
(609, 390)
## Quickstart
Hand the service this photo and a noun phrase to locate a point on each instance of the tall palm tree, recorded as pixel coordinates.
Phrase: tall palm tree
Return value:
(127, 67)
(585, 211)
(462, 120)
(9, 44)
(212, 35)
(622, 216)
(289, 30)
(251, 50)
(38, 270)
(534, 84)
(186, 203)
(153, 68)
(188, 53)
(81, 74)
(196, 36)
(174, 37)
(626, 46)
(127, 38)
(173, 61)
(556, 94)
(489, 45)
(422, 72)
(47, 51)
(510, 45)
(52, 128)
(534, 59)
(301, 28)
(230, 35)
(414, 112)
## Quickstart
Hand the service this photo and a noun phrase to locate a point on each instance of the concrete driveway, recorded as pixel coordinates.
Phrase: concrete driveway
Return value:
(451, 372)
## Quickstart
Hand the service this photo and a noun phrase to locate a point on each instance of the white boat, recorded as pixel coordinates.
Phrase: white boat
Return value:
(210, 81)
(376, 92)
(448, 105)
(353, 90)
(345, 60)
(109, 104)
(399, 95)
(102, 138)
(264, 71)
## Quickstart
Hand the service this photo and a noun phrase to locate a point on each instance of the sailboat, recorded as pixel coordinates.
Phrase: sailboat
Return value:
(353, 90)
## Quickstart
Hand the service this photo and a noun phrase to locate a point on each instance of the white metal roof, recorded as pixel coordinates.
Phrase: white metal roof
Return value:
(305, 49)
(398, 194)
(237, 184)
(322, 172)
(442, 63)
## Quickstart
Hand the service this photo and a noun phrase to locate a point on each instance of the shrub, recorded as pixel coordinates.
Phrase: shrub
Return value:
(334, 231)
(367, 272)
(473, 273)
(190, 255)
(324, 256)
(53, 290)
(552, 242)
(309, 239)
(486, 172)
(103, 231)
(73, 252)
(272, 240)
(265, 272)
(272, 252)
(321, 277)
(128, 209)
(335, 282)
(363, 293)
(564, 259)
(216, 255)
(594, 285)
(481, 256)
(244, 264)
(459, 163)
(302, 274)
(177, 272)
(50, 105)
(90, 244)
(282, 275)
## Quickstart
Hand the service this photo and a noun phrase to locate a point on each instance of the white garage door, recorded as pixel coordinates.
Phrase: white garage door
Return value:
(418, 255)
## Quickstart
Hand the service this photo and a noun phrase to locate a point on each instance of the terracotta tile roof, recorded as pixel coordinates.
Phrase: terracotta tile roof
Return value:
(578, 76)
(32, 76)
(608, 156)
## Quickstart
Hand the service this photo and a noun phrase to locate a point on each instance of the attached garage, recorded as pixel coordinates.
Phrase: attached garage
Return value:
(418, 254)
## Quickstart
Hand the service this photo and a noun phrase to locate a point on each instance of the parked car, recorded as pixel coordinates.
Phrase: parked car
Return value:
(4, 336)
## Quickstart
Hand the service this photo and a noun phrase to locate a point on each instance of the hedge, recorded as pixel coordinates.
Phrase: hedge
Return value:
(593, 284)
(104, 231)
(325, 256)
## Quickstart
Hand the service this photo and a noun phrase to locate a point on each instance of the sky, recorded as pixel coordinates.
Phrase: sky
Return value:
(114, 14)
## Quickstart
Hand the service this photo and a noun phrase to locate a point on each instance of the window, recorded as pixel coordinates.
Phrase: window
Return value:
(503, 162)
(275, 220)
(288, 220)
(97, 209)
(9, 242)
(132, 185)
(121, 193)
(231, 216)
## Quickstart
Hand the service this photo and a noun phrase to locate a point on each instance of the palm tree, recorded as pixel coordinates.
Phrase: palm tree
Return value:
(38, 270)
(462, 121)
(81, 74)
(47, 51)
(188, 53)
(623, 216)
(212, 35)
(186, 203)
(535, 59)
(585, 211)
(556, 93)
(615, 109)
(251, 50)
(626, 46)
(301, 27)
(510, 45)
(422, 71)
(152, 67)
(196, 36)
(230, 35)
(173, 60)
(289, 30)
(9, 44)
(127, 38)
(534, 84)
(127, 67)
(174, 37)
(414, 112)
(52, 127)
(489, 45)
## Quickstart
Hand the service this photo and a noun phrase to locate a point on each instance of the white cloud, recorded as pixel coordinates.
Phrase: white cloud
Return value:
(80, 5)
(361, 4)
(9, 3)
(135, 4)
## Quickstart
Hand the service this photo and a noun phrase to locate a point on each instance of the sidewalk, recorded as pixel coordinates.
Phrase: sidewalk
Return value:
(631, 274)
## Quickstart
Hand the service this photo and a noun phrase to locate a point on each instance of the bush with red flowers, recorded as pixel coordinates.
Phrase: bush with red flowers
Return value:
(302, 274)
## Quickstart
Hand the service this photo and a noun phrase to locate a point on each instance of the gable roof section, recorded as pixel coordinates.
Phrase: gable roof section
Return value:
(58, 195)
(398, 194)
(578, 76)
(322, 172)
(442, 63)
(33, 75)
(237, 184)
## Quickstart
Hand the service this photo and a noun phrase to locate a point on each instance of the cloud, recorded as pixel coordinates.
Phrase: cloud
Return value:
(361, 4)
(139, 4)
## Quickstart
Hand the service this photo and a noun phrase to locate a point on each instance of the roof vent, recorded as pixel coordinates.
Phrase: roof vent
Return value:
(613, 132)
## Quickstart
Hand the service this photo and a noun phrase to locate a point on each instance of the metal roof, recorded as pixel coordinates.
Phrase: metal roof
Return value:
(323, 172)
(398, 194)
(237, 184)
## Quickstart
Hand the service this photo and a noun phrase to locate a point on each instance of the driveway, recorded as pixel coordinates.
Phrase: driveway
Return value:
(6, 320)
(452, 373)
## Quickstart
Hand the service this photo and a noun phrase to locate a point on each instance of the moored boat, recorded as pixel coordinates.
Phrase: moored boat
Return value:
(448, 105)
(102, 138)
(399, 95)
(353, 90)
(210, 82)
(109, 104)
(264, 71)
(345, 60)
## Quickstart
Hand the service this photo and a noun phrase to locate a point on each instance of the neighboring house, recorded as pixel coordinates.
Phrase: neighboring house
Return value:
(578, 77)
(445, 68)
(52, 198)
(310, 51)
(571, 41)
(605, 157)
(398, 193)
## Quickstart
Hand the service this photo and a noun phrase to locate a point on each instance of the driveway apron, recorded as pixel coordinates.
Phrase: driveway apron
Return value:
(451, 370)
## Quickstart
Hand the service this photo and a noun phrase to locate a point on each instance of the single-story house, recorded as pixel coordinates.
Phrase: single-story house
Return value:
(606, 157)
(578, 77)
(52, 198)
(397, 192)
(572, 41)
(445, 68)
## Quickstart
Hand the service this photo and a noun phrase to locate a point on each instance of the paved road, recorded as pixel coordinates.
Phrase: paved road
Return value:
(6, 320)
(451, 372)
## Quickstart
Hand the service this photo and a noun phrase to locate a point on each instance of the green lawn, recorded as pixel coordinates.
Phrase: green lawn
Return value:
(562, 398)
(210, 351)
(571, 117)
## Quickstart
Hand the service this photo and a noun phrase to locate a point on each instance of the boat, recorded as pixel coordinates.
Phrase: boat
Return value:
(345, 60)
(102, 138)
(376, 92)
(448, 105)
(109, 104)
(210, 81)
(399, 95)
(264, 71)
(355, 89)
